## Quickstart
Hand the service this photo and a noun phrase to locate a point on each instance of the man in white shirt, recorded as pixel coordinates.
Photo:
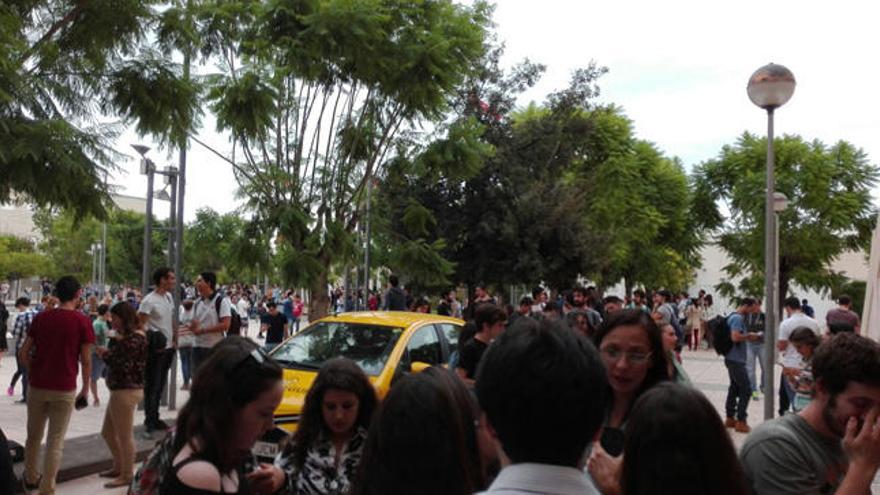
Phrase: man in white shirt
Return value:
(795, 318)
(213, 312)
(156, 312)
(241, 307)
(542, 446)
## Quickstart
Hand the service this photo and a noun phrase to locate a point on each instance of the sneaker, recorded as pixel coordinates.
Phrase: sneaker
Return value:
(730, 422)
(742, 427)
(10, 391)
(160, 425)
(21, 401)
(756, 395)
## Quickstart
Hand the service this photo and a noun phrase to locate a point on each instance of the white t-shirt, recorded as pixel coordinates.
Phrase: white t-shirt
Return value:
(206, 313)
(242, 308)
(790, 357)
(160, 308)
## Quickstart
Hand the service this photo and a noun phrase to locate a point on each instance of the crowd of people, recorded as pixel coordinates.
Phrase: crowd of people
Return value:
(575, 393)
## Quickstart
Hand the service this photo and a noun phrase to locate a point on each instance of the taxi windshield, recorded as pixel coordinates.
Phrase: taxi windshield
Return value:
(367, 345)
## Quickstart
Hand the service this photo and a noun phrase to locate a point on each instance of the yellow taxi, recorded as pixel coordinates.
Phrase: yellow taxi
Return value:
(385, 344)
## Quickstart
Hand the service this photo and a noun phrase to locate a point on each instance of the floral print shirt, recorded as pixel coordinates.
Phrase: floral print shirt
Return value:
(319, 474)
(127, 360)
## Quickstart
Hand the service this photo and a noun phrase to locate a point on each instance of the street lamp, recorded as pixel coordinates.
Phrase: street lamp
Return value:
(148, 169)
(770, 87)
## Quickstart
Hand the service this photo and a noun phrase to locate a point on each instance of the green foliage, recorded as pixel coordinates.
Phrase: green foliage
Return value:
(67, 242)
(225, 244)
(19, 259)
(61, 65)
(638, 202)
(830, 208)
(319, 96)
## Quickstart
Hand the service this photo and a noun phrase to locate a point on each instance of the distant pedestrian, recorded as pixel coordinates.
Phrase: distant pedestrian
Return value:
(20, 330)
(676, 370)
(395, 298)
(126, 360)
(843, 318)
(298, 308)
(490, 321)
(186, 340)
(755, 350)
(275, 326)
(156, 313)
(739, 391)
(807, 309)
(791, 359)
(59, 341)
(101, 329)
(805, 341)
(242, 307)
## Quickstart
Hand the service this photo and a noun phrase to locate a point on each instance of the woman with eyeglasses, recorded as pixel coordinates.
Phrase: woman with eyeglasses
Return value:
(324, 454)
(631, 347)
(231, 404)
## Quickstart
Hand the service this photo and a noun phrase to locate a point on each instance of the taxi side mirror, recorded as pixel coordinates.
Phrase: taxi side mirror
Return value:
(418, 366)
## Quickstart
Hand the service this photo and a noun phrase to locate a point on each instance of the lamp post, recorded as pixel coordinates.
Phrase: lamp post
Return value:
(148, 169)
(770, 87)
(171, 174)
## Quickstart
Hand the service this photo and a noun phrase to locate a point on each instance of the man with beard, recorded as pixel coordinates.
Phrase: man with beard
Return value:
(833, 445)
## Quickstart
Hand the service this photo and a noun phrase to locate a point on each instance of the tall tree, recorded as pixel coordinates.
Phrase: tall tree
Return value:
(639, 204)
(315, 97)
(63, 66)
(66, 241)
(830, 209)
(19, 259)
(220, 243)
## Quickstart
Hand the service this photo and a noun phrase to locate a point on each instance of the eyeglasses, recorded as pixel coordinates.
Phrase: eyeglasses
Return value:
(614, 355)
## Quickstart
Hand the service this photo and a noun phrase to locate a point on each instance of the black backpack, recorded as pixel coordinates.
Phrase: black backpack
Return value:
(720, 335)
(234, 320)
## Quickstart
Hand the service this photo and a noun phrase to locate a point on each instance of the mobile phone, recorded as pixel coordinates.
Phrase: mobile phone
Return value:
(612, 441)
(81, 402)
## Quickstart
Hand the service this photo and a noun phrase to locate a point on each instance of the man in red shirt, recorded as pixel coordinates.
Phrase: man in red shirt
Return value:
(58, 341)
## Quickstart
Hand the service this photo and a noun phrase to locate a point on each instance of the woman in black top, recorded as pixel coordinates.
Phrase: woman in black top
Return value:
(232, 403)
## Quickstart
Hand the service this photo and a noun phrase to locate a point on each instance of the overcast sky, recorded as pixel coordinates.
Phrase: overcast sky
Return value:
(678, 68)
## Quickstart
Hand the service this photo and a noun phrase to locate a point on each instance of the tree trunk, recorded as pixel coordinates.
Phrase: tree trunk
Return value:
(628, 287)
(319, 300)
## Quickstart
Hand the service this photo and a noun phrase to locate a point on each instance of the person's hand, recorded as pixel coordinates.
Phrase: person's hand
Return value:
(266, 479)
(862, 445)
(605, 470)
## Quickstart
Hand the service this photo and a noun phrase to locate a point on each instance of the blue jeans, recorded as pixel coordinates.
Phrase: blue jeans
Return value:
(739, 392)
(186, 363)
(755, 352)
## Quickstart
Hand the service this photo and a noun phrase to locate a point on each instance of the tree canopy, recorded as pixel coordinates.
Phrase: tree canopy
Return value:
(830, 209)
(316, 97)
(64, 68)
